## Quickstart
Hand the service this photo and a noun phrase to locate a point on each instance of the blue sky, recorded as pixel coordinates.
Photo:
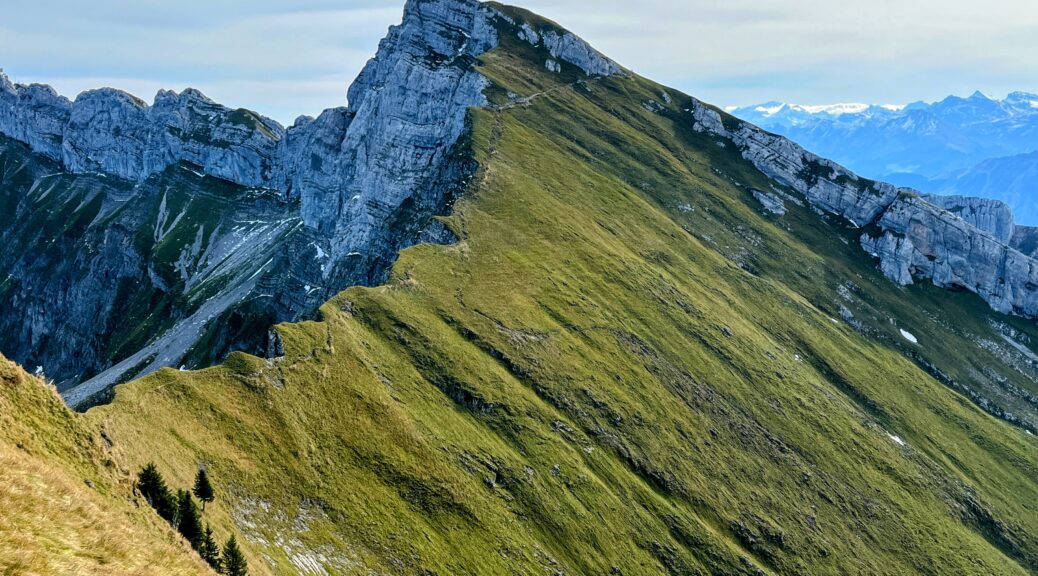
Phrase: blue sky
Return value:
(285, 59)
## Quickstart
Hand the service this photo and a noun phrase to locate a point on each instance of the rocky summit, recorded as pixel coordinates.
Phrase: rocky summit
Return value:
(515, 309)
(200, 226)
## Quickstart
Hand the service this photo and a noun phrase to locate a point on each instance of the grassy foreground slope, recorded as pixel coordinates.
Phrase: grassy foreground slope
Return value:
(623, 367)
(65, 507)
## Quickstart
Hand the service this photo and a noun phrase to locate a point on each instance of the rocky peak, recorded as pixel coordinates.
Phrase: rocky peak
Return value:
(365, 179)
(5, 83)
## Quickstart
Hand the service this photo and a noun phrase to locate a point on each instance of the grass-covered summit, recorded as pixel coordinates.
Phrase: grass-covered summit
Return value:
(626, 365)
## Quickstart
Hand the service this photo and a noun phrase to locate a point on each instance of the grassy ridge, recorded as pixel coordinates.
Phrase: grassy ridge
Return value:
(66, 505)
(623, 367)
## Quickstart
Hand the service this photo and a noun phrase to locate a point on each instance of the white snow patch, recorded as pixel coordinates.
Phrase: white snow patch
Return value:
(770, 111)
(320, 252)
(836, 109)
(195, 172)
(897, 440)
(1033, 103)
(909, 336)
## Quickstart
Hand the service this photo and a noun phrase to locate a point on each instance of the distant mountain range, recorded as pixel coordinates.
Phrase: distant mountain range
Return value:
(975, 146)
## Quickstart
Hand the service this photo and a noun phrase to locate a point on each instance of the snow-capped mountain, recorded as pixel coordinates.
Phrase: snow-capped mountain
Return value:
(923, 145)
(773, 114)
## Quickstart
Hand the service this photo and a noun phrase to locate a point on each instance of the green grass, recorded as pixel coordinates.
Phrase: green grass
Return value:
(623, 367)
(67, 506)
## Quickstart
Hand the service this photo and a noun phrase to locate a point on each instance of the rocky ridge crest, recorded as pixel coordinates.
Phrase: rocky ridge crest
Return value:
(366, 180)
(957, 243)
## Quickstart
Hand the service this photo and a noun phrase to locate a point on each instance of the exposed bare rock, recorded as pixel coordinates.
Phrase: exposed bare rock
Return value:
(991, 216)
(958, 243)
(309, 211)
(921, 241)
(826, 185)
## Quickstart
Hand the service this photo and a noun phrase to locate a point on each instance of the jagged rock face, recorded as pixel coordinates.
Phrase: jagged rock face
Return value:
(355, 168)
(827, 185)
(36, 115)
(920, 242)
(565, 46)
(115, 133)
(958, 243)
(98, 269)
(991, 216)
(1025, 239)
(352, 187)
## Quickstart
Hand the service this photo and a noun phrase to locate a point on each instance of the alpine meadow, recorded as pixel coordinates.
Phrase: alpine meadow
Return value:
(515, 309)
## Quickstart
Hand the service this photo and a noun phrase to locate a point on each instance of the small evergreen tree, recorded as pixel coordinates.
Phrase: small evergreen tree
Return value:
(210, 550)
(189, 522)
(153, 487)
(234, 563)
(203, 488)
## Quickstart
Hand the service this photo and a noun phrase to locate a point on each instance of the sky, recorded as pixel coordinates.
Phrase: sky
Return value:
(285, 59)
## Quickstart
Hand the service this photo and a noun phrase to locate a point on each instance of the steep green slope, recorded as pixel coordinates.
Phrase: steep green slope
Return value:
(623, 367)
(66, 507)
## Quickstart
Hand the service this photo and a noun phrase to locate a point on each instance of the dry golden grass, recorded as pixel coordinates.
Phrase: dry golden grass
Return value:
(64, 509)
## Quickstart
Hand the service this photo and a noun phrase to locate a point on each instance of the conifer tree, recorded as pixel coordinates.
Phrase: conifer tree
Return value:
(234, 563)
(203, 488)
(189, 522)
(153, 487)
(210, 550)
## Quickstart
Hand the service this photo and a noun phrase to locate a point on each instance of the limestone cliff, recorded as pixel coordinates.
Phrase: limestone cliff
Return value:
(303, 212)
(959, 243)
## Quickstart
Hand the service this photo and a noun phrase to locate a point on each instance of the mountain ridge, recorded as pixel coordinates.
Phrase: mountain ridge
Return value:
(654, 345)
(367, 183)
(959, 146)
(350, 155)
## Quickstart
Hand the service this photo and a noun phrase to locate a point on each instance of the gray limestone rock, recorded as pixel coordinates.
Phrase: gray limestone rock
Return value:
(301, 214)
(958, 243)
(565, 46)
(991, 216)
(34, 114)
(826, 185)
(1025, 239)
(922, 241)
(772, 202)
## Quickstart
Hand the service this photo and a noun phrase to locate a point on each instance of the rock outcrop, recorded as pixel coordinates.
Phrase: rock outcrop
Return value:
(112, 132)
(957, 243)
(991, 216)
(921, 241)
(826, 185)
(563, 45)
(304, 212)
